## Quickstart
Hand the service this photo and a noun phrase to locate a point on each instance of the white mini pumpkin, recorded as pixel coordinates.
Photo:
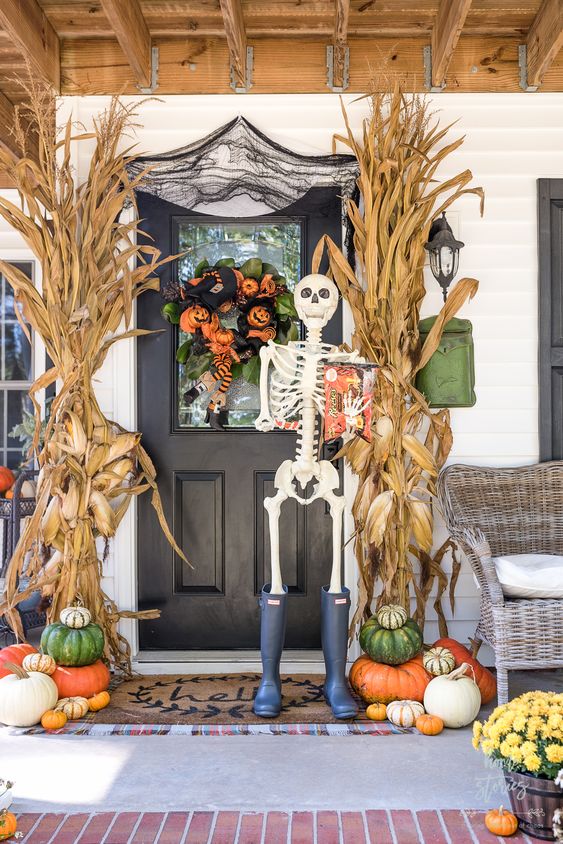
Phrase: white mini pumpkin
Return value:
(76, 617)
(438, 661)
(43, 663)
(25, 696)
(73, 707)
(454, 697)
(403, 713)
(391, 616)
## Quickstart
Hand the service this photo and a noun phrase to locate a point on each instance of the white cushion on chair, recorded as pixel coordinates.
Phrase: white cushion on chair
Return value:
(530, 575)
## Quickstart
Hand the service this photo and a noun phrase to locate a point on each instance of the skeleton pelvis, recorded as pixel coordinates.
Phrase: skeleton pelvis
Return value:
(303, 472)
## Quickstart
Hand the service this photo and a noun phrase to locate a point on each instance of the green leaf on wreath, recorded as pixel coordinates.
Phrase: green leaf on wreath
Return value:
(196, 365)
(285, 306)
(203, 264)
(183, 351)
(293, 333)
(269, 269)
(252, 268)
(251, 370)
(171, 312)
(236, 370)
(225, 262)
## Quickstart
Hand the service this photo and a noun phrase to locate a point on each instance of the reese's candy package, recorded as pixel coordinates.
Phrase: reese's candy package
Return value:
(348, 387)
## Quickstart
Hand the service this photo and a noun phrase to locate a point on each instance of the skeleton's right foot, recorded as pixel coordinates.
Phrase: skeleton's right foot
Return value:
(268, 700)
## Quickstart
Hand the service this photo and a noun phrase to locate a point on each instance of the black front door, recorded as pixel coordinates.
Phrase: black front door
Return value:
(213, 484)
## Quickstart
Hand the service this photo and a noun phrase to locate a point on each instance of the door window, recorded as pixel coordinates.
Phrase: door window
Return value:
(16, 374)
(279, 243)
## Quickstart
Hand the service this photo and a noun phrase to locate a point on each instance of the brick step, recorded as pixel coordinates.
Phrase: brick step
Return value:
(397, 826)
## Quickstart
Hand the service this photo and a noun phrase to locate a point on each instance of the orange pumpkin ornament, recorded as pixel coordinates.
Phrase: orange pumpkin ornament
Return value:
(53, 719)
(259, 317)
(8, 824)
(99, 701)
(376, 712)
(500, 822)
(193, 318)
(379, 683)
(224, 337)
(7, 478)
(483, 677)
(429, 725)
(249, 287)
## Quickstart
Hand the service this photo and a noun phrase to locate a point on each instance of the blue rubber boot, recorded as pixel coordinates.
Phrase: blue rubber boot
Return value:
(267, 703)
(335, 609)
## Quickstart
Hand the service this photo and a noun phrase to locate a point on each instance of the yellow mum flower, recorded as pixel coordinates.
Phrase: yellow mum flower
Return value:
(532, 762)
(554, 753)
(477, 729)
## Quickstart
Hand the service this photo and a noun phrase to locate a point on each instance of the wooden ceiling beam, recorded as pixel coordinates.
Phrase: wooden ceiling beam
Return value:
(445, 35)
(545, 40)
(132, 33)
(7, 139)
(340, 41)
(27, 26)
(235, 31)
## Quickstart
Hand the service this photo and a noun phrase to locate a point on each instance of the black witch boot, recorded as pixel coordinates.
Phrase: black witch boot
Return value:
(335, 608)
(196, 391)
(267, 703)
(217, 419)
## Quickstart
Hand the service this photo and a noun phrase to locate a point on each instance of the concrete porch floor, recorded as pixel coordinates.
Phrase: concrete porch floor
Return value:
(255, 773)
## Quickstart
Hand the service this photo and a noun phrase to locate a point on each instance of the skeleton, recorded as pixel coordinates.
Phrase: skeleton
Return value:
(296, 390)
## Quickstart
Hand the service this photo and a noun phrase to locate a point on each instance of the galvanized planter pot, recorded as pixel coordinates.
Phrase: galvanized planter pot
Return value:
(534, 802)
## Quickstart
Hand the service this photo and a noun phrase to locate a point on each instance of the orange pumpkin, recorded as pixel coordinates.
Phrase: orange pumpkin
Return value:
(8, 825)
(193, 318)
(259, 316)
(224, 337)
(376, 712)
(379, 683)
(483, 677)
(53, 719)
(9, 493)
(84, 681)
(7, 478)
(500, 822)
(99, 701)
(14, 654)
(429, 725)
(249, 287)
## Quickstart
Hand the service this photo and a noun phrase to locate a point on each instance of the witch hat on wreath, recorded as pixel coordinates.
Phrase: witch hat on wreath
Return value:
(214, 287)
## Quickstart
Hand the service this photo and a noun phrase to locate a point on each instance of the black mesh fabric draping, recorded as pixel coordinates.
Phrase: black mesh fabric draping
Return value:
(237, 160)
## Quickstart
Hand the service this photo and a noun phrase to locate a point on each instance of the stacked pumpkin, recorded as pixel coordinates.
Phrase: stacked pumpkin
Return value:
(445, 686)
(68, 677)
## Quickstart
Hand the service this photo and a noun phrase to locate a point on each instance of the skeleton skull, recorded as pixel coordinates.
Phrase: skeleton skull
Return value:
(316, 298)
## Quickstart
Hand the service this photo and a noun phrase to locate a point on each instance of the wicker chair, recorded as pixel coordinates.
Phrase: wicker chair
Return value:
(490, 512)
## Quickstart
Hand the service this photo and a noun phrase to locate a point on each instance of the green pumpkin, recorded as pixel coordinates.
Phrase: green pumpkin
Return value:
(73, 646)
(392, 647)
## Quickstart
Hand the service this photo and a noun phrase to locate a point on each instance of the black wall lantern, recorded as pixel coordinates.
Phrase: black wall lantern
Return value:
(443, 250)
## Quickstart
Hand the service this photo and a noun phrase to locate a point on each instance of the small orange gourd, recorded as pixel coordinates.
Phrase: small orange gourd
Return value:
(8, 824)
(99, 701)
(376, 712)
(53, 719)
(429, 725)
(500, 822)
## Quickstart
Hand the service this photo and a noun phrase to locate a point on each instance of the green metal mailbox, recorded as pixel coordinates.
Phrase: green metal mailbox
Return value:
(448, 379)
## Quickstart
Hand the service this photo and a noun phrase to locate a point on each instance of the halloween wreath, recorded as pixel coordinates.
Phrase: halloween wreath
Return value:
(228, 313)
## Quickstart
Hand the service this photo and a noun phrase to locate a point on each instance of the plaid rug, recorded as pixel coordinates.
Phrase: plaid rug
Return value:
(91, 728)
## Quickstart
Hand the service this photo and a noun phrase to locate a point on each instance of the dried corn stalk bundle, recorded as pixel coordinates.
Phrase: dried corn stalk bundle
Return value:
(398, 153)
(92, 270)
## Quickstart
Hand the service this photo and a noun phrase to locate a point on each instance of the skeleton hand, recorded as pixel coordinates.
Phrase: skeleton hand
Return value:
(353, 407)
(264, 423)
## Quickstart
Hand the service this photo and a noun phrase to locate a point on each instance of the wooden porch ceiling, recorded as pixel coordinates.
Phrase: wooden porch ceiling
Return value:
(107, 46)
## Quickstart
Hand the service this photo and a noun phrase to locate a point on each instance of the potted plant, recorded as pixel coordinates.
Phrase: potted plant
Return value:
(525, 737)
(5, 794)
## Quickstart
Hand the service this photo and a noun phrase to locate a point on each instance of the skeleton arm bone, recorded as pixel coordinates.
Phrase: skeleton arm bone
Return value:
(265, 421)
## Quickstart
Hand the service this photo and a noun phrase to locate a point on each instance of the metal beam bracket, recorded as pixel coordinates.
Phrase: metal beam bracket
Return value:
(337, 89)
(238, 89)
(154, 74)
(427, 59)
(523, 67)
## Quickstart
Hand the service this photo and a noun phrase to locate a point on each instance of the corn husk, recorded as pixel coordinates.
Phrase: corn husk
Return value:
(399, 151)
(93, 267)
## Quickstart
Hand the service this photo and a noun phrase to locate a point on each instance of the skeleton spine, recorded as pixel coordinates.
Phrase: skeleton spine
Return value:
(307, 439)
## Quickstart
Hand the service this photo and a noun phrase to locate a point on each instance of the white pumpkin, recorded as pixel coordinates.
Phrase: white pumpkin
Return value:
(25, 696)
(76, 617)
(391, 616)
(43, 663)
(438, 661)
(403, 713)
(454, 697)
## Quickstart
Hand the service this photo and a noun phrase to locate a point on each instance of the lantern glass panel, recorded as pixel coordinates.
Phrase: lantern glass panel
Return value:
(446, 260)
